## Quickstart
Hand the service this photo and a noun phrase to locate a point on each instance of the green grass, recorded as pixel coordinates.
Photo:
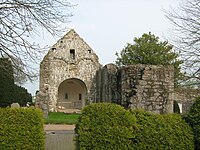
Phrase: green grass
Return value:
(61, 118)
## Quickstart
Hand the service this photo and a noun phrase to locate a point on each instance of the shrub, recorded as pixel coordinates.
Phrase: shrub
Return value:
(105, 126)
(193, 119)
(109, 126)
(21, 129)
(157, 131)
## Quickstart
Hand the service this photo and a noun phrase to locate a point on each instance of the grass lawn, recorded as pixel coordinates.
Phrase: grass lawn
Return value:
(61, 118)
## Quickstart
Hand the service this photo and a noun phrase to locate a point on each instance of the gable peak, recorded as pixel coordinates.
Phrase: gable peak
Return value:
(71, 32)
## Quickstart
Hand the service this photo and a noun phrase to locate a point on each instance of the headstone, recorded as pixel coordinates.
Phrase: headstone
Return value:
(15, 105)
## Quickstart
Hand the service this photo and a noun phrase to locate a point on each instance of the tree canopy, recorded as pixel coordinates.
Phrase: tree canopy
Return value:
(186, 36)
(20, 20)
(149, 50)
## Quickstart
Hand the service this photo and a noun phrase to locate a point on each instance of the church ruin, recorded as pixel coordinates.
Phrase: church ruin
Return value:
(67, 71)
(71, 77)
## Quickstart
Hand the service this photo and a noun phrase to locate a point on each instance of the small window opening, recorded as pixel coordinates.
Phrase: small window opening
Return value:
(80, 96)
(53, 49)
(89, 51)
(61, 41)
(66, 96)
(72, 53)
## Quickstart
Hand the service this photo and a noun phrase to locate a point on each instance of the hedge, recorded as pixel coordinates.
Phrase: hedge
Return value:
(109, 126)
(193, 119)
(166, 131)
(21, 129)
(105, 126)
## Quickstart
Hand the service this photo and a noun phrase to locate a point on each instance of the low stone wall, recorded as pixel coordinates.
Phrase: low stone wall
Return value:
(185, 98)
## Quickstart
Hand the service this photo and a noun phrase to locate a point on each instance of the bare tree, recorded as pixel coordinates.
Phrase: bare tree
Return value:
(187, 36)
(21, 19)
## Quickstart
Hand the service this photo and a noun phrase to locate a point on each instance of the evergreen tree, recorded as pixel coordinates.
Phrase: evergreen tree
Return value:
(21, 95)
(10, 92)
(6, 82)
(149, 50)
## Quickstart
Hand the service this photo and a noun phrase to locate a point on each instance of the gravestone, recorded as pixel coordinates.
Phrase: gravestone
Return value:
(15, 105)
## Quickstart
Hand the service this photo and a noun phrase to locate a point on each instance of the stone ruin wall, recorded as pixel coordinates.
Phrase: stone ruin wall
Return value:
(145, 87)
(185, 98)
(148, 87)
(58, 66)
(106, 85)
(138, 86)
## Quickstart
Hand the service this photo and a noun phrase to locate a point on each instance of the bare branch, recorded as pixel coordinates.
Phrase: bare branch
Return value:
(19, 19)
(187, 35)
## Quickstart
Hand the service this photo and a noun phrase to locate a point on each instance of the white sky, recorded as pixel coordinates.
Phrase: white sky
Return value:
(108, 25)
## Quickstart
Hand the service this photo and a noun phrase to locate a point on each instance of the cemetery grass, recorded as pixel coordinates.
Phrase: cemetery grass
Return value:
(61, 118)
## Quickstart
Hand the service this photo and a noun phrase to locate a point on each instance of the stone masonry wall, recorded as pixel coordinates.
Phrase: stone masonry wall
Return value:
(145, 87)
(137, 86)
(148, 87)
(141, 87)
(185, 98)
(105, 85)
(70, 57)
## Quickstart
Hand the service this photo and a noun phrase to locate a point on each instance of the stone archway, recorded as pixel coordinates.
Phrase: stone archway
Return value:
(71, 94)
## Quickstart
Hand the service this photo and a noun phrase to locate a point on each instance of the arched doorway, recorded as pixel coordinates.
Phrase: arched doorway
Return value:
(71, 94)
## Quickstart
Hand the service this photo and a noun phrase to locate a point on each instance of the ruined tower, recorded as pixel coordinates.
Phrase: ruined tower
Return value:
(66, 74)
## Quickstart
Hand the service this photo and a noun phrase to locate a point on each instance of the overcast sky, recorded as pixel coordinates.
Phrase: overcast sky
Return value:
(108, 25)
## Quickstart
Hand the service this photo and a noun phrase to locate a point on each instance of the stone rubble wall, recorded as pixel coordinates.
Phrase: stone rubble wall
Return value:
(145, 87)
(148, 87)
(58, 66)
(105, 85)
(186, 98)
(137, 86)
